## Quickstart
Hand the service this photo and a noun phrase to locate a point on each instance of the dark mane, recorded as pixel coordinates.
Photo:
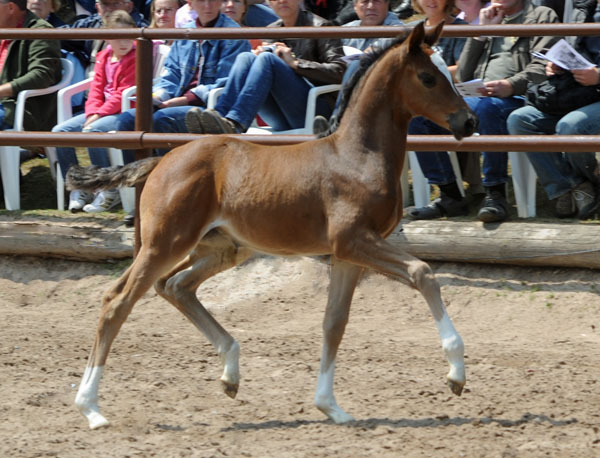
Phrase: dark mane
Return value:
(366, 62)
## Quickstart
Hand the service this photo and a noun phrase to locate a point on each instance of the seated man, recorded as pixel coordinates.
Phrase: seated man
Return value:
(27, 64)
(370, 12)
(275, 79)
(186, 78)
(506, 66)
(257, 14)
(570, 178)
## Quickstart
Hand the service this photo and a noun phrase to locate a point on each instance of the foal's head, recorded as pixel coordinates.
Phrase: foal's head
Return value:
(425, 90)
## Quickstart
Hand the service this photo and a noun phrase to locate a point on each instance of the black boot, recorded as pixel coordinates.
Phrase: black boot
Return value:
(440, 207)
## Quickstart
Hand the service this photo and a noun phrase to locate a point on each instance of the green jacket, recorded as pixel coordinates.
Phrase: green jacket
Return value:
(476, 54)
(32, 64)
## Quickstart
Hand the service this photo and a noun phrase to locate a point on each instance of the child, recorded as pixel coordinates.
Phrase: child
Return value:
(114, 72)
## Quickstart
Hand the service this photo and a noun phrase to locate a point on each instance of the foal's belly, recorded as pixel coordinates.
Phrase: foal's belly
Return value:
(277, 234)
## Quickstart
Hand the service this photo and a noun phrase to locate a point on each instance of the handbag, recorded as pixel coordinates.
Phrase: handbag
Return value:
(560, 94)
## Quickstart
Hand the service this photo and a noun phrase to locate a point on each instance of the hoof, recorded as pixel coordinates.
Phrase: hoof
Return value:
(230, 389)
(456, 387)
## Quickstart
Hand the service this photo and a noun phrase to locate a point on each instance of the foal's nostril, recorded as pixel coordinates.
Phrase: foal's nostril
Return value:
(470, 126)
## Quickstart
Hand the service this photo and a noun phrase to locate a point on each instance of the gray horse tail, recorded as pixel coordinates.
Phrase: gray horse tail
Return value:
(94, 178)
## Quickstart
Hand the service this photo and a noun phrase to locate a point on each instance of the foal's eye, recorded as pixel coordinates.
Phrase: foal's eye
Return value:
(427, 78)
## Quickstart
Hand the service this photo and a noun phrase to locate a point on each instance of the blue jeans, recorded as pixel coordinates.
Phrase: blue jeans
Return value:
(266, 85)
(98, 156)
(559, 172)
(3, 125)
(165, 121)
(259, 16)
(492, 113)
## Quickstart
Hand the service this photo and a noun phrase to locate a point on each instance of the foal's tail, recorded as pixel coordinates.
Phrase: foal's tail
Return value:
(96, 178)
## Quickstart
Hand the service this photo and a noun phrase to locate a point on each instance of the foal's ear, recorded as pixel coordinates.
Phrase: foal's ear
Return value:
(416, 37)
(431, 37)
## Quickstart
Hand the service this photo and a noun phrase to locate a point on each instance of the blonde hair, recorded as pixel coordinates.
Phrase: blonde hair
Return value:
(118, 18)
(449, 9)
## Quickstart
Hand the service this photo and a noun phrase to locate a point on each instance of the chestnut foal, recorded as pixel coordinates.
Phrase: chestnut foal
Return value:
(211, 204)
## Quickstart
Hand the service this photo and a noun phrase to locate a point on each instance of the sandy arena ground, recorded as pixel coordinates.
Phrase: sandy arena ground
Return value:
(533, 366)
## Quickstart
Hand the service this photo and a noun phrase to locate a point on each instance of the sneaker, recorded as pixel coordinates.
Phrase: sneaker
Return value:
(442, 206)
(78, 199)
(585, 199)
(320, 125)
(129, 219)
(494, 208)
(193, 122)
(104, 201)
(213, 123)
(565, 206)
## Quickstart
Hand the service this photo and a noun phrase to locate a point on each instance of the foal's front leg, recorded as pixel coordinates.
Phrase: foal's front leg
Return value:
(370, 250)
(342, 284)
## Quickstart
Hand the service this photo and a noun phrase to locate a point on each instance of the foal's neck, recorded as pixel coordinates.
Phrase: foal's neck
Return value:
(375, 122)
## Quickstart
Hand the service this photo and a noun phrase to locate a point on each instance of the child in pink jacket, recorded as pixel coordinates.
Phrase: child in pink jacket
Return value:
(114, 72)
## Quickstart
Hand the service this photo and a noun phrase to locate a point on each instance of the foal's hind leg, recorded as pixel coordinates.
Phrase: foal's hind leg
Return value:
(342, 284)
(179, 286)
(116, 306)
(370, 250)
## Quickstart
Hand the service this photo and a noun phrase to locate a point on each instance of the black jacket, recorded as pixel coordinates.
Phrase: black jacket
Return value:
(319, 60)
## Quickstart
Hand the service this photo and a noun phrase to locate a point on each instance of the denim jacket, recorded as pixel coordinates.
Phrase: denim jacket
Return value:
(181, 64)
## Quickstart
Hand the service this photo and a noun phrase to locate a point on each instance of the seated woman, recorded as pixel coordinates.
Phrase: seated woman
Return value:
(274, 80)
(114, 72)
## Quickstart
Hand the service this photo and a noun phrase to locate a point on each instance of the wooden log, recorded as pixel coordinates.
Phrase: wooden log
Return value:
(514, 243)
(78, 241)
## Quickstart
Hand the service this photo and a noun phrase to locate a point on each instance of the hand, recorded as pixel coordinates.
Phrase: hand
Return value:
(491, 15)
(285, 53)
(90, 119)
(586, 76)
(553, 69)
(499, 88)
(264, 47)
(174, 102)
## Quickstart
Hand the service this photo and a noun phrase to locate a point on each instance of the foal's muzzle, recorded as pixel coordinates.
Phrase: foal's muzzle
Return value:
(463, 123)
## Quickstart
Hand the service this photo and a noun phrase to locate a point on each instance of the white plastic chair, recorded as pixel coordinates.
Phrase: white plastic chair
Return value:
(10, 155)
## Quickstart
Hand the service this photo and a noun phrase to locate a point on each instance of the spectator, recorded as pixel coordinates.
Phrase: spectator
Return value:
(27, 64)
(162, 13)
(506, 66)
(162, 16)
(435, 12)
(274, 80)
(46, 9)
(257, 15)
(469, 10)
(113, 73)
(370, 12)
(90, 48)
(236, 10)
(71, 10)
(184, 83)
(571, 179)
(450, 49)
(400, 8)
